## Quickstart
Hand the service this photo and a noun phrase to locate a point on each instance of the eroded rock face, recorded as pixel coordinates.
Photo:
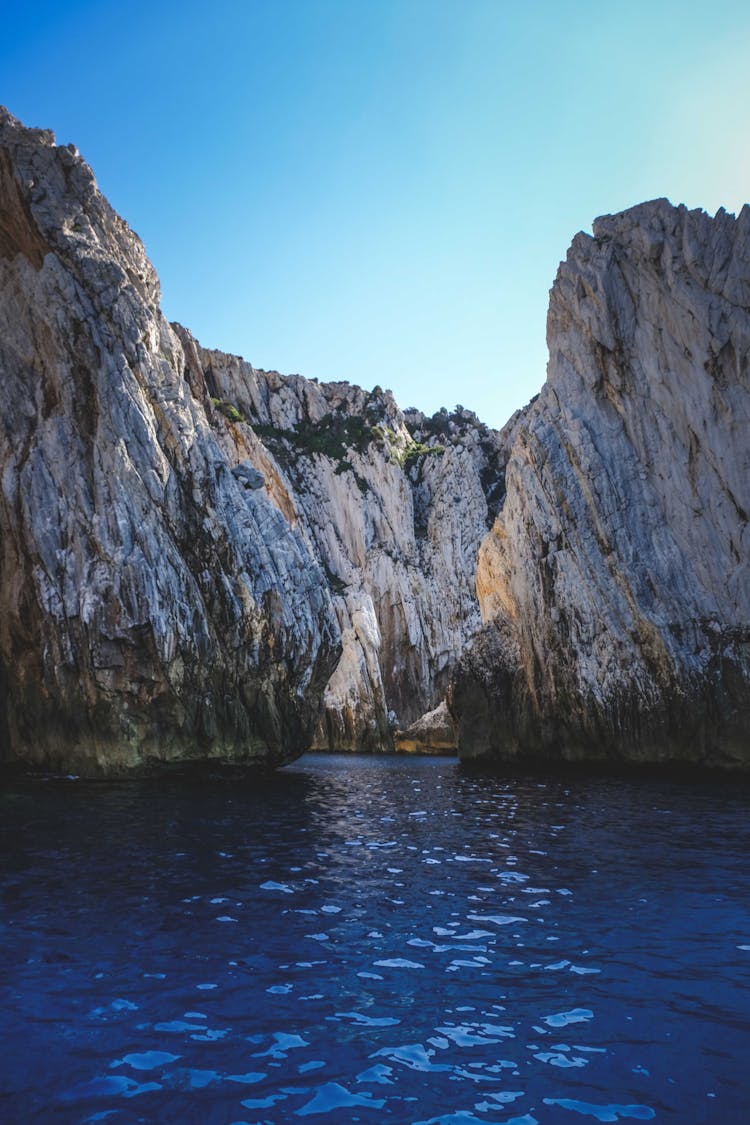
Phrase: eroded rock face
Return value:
(394, 504)
(616, 582)
(198, 559)
(195, 553)
(154, 604)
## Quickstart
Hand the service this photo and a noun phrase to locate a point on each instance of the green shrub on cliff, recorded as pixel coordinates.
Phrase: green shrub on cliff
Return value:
(334, 436)
(415, 450)
(230, 412)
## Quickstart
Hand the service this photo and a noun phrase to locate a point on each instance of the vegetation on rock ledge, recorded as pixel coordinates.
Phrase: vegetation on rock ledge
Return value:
(230, 412)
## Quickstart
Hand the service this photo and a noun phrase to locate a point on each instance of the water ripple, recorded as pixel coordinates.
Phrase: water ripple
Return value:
(376, 938)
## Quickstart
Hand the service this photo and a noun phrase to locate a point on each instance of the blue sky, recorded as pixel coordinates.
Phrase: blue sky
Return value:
(382, 190)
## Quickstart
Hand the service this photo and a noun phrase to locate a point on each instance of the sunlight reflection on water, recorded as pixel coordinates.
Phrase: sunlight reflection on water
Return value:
(376, 938)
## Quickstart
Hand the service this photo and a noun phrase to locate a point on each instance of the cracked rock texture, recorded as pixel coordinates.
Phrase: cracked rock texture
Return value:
(199, 559)
(154, 605)
(394, 504)
(615, 584)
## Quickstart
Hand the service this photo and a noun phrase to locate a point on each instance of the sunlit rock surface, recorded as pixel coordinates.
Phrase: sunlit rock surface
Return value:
(433, 733)
(616, 582)
(199, 560)
(394, 504)
(154, 604)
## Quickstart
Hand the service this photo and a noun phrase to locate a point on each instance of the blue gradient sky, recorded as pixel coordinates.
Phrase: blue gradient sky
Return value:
(381, 190)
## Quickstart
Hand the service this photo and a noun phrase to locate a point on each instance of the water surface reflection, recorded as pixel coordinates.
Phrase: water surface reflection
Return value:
(369, 938)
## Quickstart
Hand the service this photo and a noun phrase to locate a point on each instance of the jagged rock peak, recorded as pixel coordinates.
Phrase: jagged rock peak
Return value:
(51, 201)
(616, 581)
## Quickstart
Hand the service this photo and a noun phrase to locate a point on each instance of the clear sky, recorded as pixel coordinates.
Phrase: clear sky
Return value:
(381, 190)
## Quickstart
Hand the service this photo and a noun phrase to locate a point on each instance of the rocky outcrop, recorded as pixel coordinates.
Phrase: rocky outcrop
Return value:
(198, 558)
(433, 733)
(155, 604)
(615, 583)
(394, 504)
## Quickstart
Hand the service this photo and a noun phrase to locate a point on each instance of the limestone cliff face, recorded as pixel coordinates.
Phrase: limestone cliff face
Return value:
(394, 504)
(199, 559)
(152, 605)
(616, 582)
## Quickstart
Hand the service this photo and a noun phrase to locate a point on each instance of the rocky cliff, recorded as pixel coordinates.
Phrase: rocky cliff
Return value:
(395, 505)
(616, 581)
(152, 606)
(199, 559)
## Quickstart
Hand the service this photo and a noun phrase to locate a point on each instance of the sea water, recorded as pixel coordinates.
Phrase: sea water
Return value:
(367, 938)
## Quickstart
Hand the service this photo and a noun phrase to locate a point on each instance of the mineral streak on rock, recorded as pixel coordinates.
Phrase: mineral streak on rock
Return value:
(394, 504)
(154, 604)
(615, 583)
(196, 553)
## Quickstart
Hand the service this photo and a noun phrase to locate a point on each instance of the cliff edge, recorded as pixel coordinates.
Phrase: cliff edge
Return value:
(152, 606)
(201, 559)
(615, 584)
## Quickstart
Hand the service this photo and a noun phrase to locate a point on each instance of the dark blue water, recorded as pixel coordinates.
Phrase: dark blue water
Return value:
(369, 938)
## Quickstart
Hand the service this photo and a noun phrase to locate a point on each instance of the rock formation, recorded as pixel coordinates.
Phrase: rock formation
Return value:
(616, 581)
(433, 733)
(199, 559)
(195, 553)
(394, 504)
(152, 605)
